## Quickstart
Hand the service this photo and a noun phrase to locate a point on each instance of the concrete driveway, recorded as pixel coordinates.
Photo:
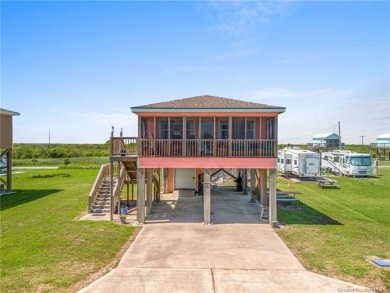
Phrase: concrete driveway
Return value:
(174, 252)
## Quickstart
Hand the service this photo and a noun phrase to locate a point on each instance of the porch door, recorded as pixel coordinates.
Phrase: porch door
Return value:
(185, 178)
(287, 163)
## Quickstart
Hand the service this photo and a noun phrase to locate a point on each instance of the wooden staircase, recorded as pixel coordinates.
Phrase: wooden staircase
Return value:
(102, 201)
(124, 168)
(131, 168)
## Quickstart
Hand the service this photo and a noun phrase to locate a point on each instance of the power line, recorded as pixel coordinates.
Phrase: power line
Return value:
(310, 135)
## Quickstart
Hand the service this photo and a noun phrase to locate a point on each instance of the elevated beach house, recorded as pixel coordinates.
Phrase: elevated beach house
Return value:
(187, 138)
(381, 148)
(325, 142)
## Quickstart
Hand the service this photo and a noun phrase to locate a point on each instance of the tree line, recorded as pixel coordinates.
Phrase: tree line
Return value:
(53, 151)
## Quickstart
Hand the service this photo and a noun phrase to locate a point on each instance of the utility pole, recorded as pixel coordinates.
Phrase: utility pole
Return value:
(362, 138)
(49, 136)
(340, 145)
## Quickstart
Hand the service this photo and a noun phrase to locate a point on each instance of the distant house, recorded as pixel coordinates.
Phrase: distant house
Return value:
(6, 140)
(326, 141)
(383, 139)
(381, 148)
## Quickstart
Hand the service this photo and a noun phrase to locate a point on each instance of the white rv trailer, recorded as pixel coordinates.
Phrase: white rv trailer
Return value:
(346, 163)
(299, 162)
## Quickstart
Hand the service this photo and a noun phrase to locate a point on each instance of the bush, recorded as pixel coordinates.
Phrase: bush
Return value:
(52, 151)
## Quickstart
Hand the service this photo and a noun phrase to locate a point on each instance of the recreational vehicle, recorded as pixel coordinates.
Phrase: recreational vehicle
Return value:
(299, 162)
(346, 163)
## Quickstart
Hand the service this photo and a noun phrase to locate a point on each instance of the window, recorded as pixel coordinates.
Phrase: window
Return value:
(164, 128)
(176, 128)
(238, 128)
(250, 129)
(270, 128)
(295, 162)
(288, 161)
(207, 128)
(224, 130)
(190, 129)
(361, 161)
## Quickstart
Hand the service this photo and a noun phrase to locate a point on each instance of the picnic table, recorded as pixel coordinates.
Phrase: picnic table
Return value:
(328, 183)
(287, 198)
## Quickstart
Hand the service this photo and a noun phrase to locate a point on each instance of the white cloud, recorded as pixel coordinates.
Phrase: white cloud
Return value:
(236, 52)
(290, 61)
(284, 93)
(243, 18)
(314, 111)
(118, 120)
(180, 70)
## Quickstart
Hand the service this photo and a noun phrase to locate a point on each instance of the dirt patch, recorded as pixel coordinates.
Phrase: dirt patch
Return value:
(113, 264)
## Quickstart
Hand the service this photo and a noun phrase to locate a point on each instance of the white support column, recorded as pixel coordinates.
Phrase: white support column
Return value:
(263, 184)
(140, 195)
(158, 193)
(206, 197)
(272, 197)
(253, 185)
(149, 192)
(165, 175)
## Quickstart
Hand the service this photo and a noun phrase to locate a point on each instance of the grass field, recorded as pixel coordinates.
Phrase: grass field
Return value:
(43, 247)
(334, 231)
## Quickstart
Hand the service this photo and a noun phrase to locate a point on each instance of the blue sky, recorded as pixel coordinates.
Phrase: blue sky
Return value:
(76, 68)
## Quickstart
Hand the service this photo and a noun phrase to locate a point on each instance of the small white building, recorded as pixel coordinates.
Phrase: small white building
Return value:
(383, 139)
(381, 148)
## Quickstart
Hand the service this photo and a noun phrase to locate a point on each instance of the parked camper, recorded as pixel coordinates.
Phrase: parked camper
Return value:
(346, 163)
(301, 163)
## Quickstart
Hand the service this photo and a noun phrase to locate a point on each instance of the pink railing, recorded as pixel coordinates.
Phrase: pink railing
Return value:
(121, 146)
(207, 148)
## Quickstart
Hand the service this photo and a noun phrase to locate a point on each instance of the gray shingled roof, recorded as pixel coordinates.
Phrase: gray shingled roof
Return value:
(207, 102)
(8, 112)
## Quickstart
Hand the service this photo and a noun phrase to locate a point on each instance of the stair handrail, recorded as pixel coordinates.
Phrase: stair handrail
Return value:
(103, 172)
(118, 186)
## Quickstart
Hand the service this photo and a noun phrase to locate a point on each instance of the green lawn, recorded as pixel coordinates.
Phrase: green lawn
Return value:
(43, 247)
(333, 231)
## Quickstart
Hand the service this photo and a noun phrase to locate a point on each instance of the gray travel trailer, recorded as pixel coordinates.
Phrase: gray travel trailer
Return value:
(301, 163)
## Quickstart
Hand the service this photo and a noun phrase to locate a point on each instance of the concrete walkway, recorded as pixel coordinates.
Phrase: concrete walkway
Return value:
(174, 252)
